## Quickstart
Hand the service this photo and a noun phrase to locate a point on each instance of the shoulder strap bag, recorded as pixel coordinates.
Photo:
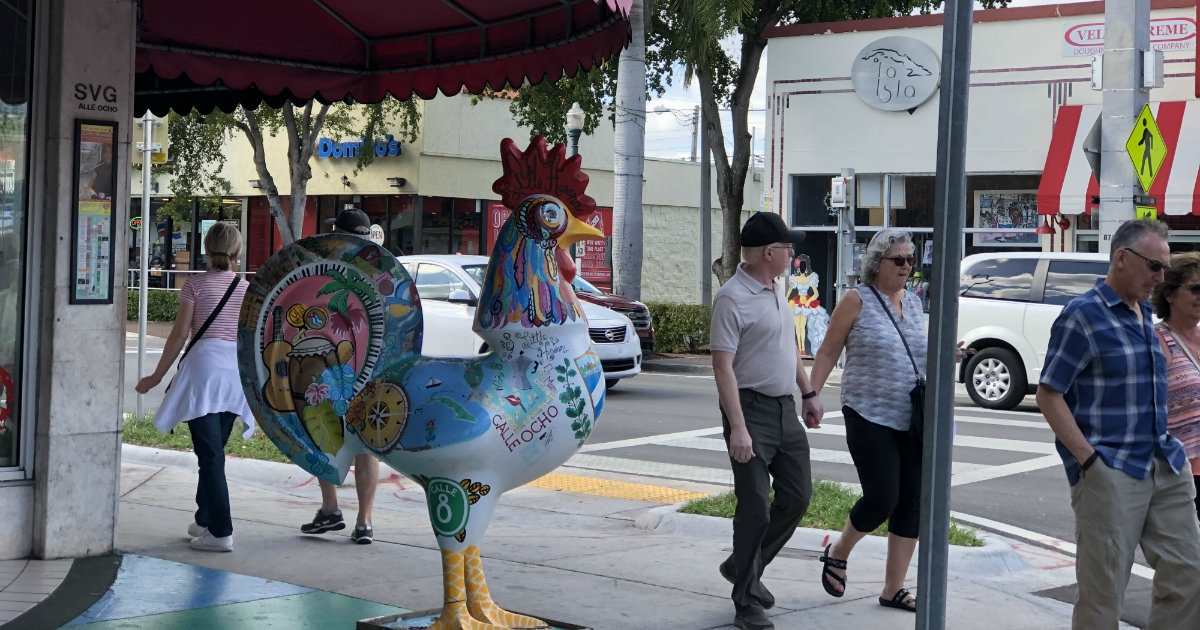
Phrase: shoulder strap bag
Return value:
(204, 327)
(917, 395)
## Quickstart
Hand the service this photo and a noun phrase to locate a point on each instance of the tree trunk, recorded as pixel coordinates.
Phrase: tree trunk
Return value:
(629, 160)
(732, 170)
(301, 133)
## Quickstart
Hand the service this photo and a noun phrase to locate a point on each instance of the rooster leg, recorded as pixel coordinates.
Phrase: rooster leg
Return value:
(454, 608)
(479, 600)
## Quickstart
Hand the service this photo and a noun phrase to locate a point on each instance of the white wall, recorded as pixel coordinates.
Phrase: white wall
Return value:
(822, 126)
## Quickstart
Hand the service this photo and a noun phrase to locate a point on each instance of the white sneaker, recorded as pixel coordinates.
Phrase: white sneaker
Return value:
(195, 530)
(208, 542)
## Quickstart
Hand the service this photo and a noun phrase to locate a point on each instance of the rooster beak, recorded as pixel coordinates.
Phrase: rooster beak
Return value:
(577, 231)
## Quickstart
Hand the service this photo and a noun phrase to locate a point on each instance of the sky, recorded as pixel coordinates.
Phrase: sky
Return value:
(669, 134)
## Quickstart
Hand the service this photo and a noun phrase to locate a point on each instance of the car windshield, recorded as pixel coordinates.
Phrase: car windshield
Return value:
(587, 287)
(476, 272)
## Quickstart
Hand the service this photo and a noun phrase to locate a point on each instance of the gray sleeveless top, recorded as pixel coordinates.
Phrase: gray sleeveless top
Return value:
(878, 374)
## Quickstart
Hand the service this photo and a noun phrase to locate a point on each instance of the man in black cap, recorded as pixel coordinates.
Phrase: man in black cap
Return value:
(351, 221)
(366, 468)
(757, 367)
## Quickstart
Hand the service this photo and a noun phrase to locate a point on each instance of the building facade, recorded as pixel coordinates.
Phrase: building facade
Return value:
(433, 196)
(866, 98)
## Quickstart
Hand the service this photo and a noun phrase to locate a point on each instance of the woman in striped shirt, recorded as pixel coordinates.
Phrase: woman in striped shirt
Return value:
(207, 391)
(1177, 302)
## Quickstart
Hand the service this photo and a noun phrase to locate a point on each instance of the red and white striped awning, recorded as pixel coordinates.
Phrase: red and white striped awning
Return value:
(1068, 185)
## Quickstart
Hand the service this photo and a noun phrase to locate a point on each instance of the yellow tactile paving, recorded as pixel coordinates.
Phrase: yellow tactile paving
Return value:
(615, 489)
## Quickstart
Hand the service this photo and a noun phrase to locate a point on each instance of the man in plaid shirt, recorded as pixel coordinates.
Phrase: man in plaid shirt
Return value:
(1103, 391)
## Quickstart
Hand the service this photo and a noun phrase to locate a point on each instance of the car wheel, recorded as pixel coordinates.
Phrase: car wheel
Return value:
(610, 383)
(996, 379)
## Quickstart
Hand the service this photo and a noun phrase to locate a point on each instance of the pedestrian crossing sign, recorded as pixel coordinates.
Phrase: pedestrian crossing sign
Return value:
(1146, 212)
(1146, 148)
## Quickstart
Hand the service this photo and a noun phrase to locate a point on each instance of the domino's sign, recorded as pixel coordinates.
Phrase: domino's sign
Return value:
(387, 147)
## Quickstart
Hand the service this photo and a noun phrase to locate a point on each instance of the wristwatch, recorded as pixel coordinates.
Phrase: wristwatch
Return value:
(812, 394)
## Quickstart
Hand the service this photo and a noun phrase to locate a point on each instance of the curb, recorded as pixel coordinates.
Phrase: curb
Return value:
(995, 557)
(241, 469)
(673, 367)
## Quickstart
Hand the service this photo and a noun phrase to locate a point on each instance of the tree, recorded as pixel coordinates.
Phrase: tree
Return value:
(197, 148)
(691, 34)
(303, 124)
(197, 156)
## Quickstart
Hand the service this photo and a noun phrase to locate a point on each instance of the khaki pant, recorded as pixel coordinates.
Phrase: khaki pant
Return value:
(1113, 514)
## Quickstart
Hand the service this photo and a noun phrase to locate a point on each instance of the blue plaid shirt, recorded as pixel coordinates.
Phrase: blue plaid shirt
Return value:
(1113, 375)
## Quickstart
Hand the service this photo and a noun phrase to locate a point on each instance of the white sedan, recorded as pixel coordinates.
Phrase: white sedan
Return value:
(449, 286)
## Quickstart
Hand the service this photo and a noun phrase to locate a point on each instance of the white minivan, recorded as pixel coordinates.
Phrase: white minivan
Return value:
(1007, 304)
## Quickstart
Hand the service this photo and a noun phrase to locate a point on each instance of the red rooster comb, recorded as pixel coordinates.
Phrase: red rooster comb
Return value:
(539, 170)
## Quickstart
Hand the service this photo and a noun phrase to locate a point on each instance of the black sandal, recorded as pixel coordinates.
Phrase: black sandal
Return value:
(829, 561)
(903, 600)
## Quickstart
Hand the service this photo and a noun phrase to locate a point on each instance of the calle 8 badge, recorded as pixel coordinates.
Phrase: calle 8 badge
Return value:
(449, 506)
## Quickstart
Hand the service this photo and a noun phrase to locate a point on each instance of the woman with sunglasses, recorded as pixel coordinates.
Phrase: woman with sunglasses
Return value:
(1177, 302)
(876, 381)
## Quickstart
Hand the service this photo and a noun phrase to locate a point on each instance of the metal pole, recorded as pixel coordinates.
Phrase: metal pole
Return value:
(574, 150)
(144, 247)
(846, 235)
(695, 129)
(705, 213)
(1126, 34)
(950, 197)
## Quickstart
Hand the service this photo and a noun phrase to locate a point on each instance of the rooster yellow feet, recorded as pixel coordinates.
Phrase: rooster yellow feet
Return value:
(468, 605)
(479, 600)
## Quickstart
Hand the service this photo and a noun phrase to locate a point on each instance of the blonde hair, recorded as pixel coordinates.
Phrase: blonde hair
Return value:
(222, 245)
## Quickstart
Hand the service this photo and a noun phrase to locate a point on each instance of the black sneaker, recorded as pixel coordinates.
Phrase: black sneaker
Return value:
(363, 534)
(760, 591)
(752, 618)
(323, 522)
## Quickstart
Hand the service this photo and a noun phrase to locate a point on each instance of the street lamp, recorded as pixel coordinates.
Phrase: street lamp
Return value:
(575, 117)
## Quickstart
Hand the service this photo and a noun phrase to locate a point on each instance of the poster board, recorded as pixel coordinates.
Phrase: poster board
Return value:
(92, 213)
(1007, 211)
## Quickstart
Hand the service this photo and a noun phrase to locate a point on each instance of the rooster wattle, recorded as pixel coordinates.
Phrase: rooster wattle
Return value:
(329, 351)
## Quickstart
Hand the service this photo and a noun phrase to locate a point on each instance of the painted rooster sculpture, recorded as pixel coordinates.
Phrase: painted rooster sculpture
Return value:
(330, 356)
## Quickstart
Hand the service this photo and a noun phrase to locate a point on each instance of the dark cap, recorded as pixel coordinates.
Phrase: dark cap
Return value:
(352, 221)
(764, 228)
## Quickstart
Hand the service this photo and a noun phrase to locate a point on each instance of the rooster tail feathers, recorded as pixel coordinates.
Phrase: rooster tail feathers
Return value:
(317, 319)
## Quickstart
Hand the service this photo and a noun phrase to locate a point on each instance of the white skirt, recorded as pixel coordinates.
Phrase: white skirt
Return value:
(207, 381)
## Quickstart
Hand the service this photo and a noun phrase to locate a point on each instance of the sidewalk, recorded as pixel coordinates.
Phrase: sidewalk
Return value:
(592, 561)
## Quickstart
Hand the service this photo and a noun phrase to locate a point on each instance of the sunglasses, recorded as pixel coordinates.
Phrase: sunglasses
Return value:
(1154, 265)
(1194, 289)
(900, 261)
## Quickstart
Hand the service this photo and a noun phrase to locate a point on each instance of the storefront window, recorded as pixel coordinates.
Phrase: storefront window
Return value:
(451, 226)
(14, 148)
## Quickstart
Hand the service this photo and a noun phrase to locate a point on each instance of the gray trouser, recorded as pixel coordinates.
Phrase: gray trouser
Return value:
(1113, 514)
(760, 529)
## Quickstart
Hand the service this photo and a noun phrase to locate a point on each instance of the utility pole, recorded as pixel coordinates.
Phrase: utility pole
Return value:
(705, 215)
(1126, 41)
(695, 129)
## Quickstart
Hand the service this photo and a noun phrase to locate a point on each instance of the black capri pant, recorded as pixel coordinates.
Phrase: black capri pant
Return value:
(889, 469)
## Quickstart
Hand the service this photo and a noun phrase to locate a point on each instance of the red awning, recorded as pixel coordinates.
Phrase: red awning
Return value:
(1068, 186)
(219, 53)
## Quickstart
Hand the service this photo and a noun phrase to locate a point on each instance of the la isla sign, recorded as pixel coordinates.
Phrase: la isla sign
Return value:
(1166, 34)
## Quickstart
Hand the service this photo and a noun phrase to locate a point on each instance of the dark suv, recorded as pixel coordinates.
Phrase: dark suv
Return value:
(1006, 306)
(634, 310)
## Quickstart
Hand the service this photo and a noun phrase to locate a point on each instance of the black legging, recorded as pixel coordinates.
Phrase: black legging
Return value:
(889, 469)
(1196, 480)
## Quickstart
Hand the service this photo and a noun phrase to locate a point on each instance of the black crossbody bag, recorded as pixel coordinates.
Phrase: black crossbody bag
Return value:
(204, 327)
(917, 395)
